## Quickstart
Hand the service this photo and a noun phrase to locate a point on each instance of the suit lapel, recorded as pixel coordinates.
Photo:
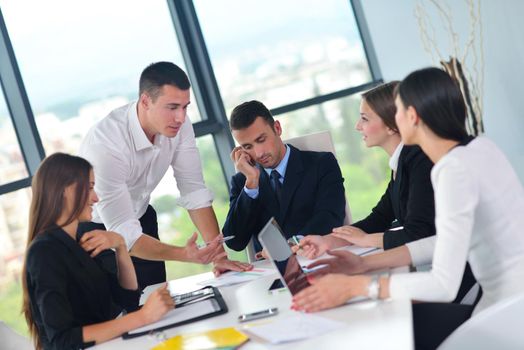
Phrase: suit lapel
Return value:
(292, 178)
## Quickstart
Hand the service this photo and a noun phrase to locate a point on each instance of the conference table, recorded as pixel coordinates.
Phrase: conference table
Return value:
(383, 324)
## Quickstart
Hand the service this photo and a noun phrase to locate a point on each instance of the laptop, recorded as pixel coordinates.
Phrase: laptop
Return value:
(292, 275)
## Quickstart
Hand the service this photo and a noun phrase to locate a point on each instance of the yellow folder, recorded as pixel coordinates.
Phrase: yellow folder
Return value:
(215, 339)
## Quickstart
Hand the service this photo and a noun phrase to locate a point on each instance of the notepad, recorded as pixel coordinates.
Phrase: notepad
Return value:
(217, 338)
(353, 249)
(292, 328)
(179, 315)
(233, 277)
(209, 305)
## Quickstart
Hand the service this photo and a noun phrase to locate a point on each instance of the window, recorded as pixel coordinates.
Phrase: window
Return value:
(365, 171)
(12, 165)
(174, 224)
(89, 57)
(80, 60)
(280, 52)
(14, 209)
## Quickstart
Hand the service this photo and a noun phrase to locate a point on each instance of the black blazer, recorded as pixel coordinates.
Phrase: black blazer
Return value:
(408, 199)
(68, 290)
(312, 200)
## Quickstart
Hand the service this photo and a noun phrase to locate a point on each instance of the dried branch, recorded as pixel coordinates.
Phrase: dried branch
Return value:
(467, 67)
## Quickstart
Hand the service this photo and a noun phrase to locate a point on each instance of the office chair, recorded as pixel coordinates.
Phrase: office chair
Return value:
(497, 327)
(12, 340)
(318, 142)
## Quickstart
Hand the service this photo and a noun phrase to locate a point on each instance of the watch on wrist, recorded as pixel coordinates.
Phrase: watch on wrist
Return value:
(374, 288)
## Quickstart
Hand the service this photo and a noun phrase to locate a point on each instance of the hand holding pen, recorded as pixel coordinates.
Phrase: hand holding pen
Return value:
(220, 241)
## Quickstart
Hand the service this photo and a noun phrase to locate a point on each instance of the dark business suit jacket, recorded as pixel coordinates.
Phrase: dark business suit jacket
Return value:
(68, 290)
(408, 199)
(312, 200)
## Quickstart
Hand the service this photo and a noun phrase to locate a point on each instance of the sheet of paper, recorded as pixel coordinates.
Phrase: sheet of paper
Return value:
(184, 313)
(232, 277)
(296, 327)
(353, 249)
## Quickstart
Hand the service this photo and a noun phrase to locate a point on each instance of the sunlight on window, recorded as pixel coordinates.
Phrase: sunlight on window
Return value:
(280, 52)
(12, 165)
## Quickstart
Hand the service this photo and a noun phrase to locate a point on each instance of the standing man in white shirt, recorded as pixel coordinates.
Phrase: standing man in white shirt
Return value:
(130, 150)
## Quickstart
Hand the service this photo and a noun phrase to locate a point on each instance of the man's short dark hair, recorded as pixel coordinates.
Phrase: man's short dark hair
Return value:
(245, 114)
(159, 74)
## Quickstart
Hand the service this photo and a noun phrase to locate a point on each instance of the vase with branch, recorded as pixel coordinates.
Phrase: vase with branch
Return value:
(465, 63)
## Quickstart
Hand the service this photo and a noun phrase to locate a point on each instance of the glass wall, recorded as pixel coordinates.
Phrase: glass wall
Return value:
(280, 52)
(174, 222)
(90, 55)
(80, 60)
(12, 165)
(365, 170)
(14, 209)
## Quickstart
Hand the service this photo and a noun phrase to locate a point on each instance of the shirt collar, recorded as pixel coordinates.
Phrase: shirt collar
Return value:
(138, 135)
(393, 161)
(282, 166)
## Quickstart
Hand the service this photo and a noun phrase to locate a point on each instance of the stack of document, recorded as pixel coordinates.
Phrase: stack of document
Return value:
(230, 278)
(292, 328)
(178, 315)
(352, 248)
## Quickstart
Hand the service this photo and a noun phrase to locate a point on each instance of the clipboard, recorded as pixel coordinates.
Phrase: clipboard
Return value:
(193, 311)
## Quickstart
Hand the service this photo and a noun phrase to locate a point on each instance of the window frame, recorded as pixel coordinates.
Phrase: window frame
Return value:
(200, 71)
(19, 110)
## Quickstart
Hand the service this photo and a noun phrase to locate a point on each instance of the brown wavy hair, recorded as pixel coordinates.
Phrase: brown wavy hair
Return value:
(381, 100)
(54, 175)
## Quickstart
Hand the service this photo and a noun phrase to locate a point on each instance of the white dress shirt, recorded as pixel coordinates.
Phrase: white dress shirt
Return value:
(128, 167)
(393, 160)
(479, 205)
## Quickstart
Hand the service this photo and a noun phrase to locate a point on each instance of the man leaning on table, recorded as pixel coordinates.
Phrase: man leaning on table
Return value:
(130, 150)
(303, 190)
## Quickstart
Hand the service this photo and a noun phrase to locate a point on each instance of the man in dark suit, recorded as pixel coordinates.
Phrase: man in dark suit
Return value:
(303, 190)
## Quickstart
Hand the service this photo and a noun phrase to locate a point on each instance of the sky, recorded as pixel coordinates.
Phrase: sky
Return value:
(70, 49)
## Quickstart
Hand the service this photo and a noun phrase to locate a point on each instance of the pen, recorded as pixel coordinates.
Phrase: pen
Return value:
(295, 241)
(277, 291)
(205, 244)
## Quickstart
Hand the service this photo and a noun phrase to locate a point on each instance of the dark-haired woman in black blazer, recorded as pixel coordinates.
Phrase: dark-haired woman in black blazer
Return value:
(476, 221)
(70, 300)
(406, 211)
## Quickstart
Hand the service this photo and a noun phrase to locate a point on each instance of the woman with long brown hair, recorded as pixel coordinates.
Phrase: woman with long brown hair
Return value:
(405, 212)
(70, 300)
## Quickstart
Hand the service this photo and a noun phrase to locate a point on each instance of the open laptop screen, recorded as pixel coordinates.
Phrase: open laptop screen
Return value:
(275, 244)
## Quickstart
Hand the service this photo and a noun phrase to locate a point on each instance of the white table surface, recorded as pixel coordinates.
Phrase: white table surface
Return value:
(370, 324)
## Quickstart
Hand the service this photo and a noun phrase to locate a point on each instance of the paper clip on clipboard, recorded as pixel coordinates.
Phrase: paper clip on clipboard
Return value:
(192, 309)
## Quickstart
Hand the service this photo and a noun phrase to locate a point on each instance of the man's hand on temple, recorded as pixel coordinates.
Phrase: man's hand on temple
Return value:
(246, 165)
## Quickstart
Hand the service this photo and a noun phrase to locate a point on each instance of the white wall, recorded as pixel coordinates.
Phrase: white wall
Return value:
(395, 35)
